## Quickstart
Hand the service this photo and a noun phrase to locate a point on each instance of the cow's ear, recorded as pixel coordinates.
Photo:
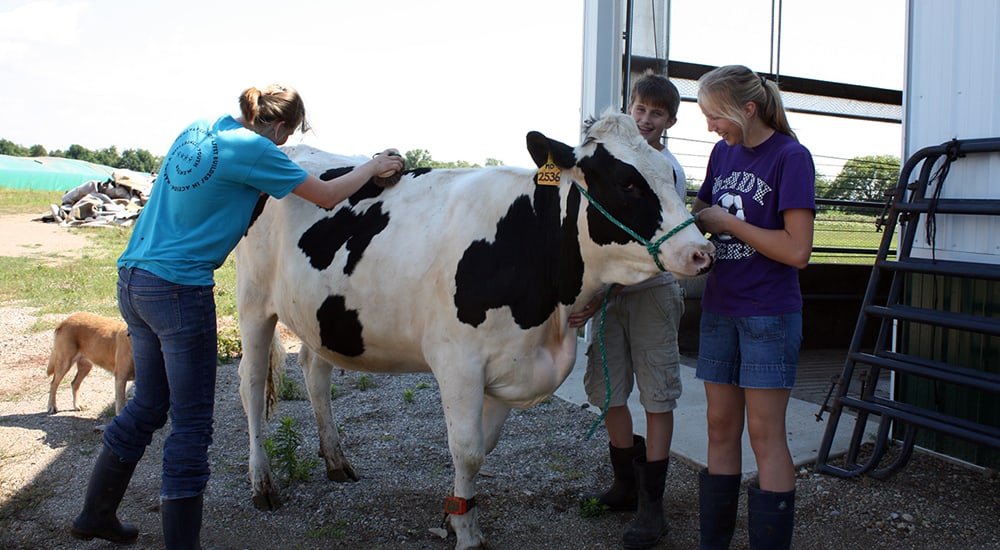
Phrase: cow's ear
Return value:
(541, 148)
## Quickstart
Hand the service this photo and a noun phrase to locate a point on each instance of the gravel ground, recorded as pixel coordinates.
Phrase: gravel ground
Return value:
(529, 489)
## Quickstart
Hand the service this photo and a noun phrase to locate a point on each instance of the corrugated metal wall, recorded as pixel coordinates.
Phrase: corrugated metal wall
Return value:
(953, 91)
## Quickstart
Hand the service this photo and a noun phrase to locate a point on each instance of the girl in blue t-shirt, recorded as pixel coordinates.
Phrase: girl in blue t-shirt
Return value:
(758, 202)
(200, 206)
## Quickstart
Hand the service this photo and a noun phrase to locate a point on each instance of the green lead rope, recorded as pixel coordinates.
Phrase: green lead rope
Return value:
(604, 363)
(653, 247)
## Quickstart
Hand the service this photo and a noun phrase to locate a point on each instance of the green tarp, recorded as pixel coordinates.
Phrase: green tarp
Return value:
(49, 173)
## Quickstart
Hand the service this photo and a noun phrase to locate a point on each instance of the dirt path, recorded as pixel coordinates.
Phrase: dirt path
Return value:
(25, 236)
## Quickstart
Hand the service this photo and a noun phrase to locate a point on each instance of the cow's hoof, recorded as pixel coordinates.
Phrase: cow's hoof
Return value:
(466, 529)
(342, 475)
(267, 502)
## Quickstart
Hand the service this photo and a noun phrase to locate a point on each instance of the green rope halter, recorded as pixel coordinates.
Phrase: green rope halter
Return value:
(652, 247)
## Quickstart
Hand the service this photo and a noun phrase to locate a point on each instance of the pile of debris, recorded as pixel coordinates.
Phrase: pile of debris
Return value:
(115, 201)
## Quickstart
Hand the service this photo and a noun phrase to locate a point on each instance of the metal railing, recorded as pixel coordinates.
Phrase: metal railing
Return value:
(893, 315)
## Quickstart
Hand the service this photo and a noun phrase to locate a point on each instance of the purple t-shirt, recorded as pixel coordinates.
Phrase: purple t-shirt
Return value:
(757, 185)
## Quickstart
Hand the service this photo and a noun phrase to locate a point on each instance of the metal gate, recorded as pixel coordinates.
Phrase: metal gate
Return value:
(914, 202)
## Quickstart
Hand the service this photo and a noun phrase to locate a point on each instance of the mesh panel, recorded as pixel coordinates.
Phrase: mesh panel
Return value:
(833, 106)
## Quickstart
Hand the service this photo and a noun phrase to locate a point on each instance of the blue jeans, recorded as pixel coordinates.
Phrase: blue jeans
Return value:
(173, 330)
(759, 351)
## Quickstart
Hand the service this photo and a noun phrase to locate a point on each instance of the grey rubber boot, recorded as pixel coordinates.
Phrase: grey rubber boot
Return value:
(622, 494)
(770, 518)
(99, 518)
(718, 499)
(649, 524)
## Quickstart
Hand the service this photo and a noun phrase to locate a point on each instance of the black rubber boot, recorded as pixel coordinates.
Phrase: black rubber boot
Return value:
(181, 519)
(622, 494)
(718, 499)
(770, 518)
(99, 518)
(649, 524)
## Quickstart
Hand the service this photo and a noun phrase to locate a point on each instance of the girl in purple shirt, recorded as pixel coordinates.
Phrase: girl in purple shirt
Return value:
(758, 202)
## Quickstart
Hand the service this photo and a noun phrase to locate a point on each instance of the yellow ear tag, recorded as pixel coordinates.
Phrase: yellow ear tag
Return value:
(549, 173)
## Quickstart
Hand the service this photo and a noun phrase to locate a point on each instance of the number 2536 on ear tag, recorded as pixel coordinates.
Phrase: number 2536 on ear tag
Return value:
(549, 173)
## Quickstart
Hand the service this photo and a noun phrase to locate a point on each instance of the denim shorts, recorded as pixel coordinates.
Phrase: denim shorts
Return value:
(750, 352)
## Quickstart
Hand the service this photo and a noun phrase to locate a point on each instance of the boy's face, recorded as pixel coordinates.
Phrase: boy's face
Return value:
(652, 120)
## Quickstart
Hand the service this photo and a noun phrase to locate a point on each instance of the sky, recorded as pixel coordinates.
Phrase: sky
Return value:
(461, 79)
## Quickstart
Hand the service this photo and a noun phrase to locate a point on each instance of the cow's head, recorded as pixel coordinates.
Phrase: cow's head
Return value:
(633, 184)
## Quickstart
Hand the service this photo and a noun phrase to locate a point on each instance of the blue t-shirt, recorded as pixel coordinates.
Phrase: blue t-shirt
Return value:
(757, 185)
(203, 198)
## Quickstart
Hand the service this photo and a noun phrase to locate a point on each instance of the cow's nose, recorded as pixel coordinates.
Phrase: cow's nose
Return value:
(704, 261)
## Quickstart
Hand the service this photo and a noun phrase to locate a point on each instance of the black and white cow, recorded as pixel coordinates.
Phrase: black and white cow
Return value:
(469, 274)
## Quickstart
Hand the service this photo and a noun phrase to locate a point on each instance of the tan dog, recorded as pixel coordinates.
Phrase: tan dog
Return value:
(90, 339)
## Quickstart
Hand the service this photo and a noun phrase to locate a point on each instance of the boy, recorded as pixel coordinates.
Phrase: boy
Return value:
(640, 338)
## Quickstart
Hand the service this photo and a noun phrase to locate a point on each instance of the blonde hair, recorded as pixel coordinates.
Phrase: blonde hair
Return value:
(276, 103)
(725, 90)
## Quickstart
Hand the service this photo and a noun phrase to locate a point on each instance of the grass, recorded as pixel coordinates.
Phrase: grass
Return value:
(592, 508)
(15, 201)
(365, 382)
(290, 390)
(839, 230)
(283, 452)
(86, 284)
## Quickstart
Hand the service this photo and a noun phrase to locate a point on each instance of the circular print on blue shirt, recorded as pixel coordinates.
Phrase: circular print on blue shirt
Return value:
(192, 160)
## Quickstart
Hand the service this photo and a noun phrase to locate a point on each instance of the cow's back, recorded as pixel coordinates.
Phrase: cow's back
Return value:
(367, 283)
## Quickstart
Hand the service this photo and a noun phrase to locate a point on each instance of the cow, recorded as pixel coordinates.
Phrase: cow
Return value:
(469, 274)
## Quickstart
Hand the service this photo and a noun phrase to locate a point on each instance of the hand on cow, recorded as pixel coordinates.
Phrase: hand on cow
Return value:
(579, 317)
(388, 161)
(388, 172)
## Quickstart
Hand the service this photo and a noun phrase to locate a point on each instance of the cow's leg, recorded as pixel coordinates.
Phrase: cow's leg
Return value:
(462, 399)
(254, 370)
(494, 415)
(316, 371)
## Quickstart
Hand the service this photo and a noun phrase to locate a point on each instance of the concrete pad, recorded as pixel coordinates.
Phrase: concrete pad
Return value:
(690, 442)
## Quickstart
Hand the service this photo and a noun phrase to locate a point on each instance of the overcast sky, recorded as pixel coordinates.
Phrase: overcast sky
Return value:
(462, 79)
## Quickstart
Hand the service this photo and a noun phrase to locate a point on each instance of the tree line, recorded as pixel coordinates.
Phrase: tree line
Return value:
(861, 179)
(142, 160)
(865, 179)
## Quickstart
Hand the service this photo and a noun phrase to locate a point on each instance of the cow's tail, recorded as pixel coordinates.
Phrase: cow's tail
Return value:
(275, 368)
